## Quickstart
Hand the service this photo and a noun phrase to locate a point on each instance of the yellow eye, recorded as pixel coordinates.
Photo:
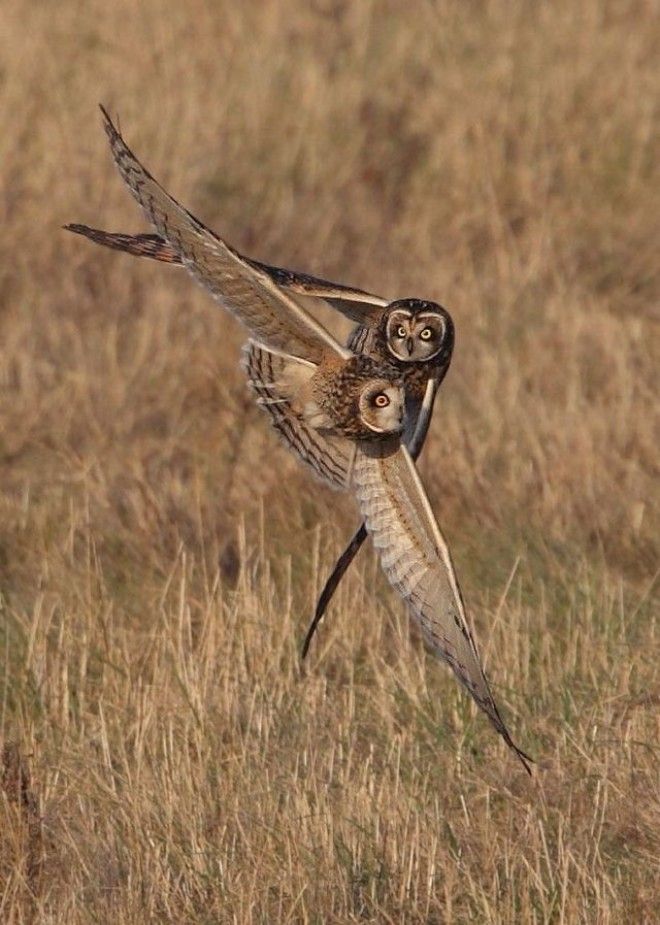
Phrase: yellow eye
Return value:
(381, 400)
(426, 334)
(401, 331)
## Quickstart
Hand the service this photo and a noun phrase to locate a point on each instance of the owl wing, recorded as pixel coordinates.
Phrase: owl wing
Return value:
(280, 385)
(416, 560)
(414, 437)
(270, 314)
(355, 304)
(420, 414)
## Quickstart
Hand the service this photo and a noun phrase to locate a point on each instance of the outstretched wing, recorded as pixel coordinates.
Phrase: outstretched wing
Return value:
(355, 304)
(416, 560)
(279, 382)
(270, 315)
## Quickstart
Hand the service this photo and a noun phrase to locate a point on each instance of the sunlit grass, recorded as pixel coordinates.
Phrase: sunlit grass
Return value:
(167, 756)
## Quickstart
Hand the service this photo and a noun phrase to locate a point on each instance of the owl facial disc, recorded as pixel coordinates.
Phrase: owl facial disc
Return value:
(417, 331)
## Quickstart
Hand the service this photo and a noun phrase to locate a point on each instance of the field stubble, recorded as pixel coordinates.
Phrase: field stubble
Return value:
(166, 757)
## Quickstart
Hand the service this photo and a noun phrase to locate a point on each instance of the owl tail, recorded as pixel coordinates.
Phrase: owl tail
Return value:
(282, 386)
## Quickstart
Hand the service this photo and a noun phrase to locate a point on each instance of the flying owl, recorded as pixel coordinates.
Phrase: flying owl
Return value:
(345, 411)
(414, 335)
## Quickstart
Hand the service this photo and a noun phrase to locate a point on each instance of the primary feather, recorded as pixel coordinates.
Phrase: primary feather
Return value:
(269, 314)
(416, 560)
(355, 304)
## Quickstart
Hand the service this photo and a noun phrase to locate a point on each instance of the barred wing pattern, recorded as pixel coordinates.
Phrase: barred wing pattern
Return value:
(270, 314)
(416, 560)
(329, 457)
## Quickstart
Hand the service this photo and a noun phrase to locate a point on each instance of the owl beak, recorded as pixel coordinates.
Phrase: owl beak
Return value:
(409, 346)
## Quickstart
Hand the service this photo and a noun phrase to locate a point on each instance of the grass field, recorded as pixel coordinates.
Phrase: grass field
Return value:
(166, 756)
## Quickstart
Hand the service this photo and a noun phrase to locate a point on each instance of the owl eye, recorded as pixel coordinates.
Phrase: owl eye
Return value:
(401, 331)
(426, 334)
(381, 400)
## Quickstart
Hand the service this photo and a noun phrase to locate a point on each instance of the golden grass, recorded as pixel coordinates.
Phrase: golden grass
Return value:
(166, 756)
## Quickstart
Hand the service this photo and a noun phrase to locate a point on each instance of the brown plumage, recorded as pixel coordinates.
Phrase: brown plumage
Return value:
(413, 553)
(195, 247)
(341, 412)
(247, 292)
(321, 412)
(330, 456)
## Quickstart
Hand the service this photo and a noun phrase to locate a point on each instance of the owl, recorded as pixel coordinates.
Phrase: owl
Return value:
(397, 514)
(344, 413)
(414, 335)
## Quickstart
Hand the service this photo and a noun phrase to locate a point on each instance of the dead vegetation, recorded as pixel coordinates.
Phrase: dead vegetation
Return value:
(170, 758)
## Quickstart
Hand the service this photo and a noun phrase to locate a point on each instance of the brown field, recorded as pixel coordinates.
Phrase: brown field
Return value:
(166, 756)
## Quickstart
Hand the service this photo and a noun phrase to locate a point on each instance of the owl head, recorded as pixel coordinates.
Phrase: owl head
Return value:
(417, 331)
(381, 407)
(363, 400)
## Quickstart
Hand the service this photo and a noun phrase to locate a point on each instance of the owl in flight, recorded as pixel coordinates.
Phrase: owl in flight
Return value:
(343, 413)
(415, 335)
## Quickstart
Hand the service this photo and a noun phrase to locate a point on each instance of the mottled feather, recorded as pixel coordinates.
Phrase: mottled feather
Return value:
(273, 379)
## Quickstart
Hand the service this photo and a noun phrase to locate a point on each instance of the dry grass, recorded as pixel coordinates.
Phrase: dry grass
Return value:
(166, 756)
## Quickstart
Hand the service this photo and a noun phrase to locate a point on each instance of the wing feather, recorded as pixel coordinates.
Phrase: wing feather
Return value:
(355, 304)
(278, 381)
(417, 562)
(270, 315)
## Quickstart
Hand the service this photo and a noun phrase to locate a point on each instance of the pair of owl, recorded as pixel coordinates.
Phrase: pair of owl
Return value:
(357, 415)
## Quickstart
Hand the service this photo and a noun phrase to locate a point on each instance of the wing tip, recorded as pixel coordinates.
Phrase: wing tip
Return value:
(84, 231)
(76, 228)
(495, 717)
(118, 146)
(113, 135)
(525, 759)
(108, 124)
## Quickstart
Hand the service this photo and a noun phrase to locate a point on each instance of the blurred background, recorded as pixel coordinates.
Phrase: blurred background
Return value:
(160, 553)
